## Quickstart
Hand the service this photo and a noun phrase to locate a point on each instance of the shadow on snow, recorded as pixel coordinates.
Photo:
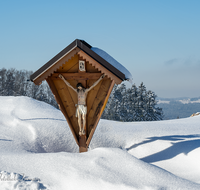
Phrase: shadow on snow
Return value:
(182, 146)
(32, 119)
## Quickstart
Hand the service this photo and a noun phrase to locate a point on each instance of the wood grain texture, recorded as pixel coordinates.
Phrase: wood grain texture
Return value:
(99, 67)
(97, 104)
(61, 105)
(55, 66)
(99, 112)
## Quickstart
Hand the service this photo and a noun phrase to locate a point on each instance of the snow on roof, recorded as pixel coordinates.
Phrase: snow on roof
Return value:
(113, 62)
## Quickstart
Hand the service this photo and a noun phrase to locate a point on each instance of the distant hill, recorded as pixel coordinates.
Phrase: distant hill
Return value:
(174, 108)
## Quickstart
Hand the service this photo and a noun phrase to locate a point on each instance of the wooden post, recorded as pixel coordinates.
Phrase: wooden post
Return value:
(82, 144)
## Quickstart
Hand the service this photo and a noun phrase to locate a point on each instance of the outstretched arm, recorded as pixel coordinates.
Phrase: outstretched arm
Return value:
(68, 84)
(101, 77)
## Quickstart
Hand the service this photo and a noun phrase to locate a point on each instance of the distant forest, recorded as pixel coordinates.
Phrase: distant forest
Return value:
(16, 83)
(133, 104)
(176, 109)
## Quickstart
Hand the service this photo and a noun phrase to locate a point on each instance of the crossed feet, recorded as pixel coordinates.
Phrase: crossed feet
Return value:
(82, 132)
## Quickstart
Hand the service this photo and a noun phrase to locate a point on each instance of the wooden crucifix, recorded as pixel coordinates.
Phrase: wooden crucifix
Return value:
(81, 81)
(81, 110)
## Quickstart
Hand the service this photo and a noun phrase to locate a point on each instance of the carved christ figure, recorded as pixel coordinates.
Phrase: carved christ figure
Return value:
(81, 110)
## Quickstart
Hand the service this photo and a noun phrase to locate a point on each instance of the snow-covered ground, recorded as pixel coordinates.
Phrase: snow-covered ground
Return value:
(38, 152)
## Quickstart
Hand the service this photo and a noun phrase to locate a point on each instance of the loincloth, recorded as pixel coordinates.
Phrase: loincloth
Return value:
(81, 109)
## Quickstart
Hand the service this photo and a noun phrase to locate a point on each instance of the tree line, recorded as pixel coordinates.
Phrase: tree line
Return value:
(132, 104)
(16, 83)
(176, 109)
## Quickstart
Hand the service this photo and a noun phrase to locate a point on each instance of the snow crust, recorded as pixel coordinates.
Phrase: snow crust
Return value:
(113, 62)
(38, 152)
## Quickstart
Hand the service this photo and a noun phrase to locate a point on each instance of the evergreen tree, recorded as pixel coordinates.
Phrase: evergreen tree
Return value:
(132, 95)
(134, 104)
(3, 81)
(141, 111)
(116, 104)
(14, 83)
(123, 103)
(153, 113)
(10, 83)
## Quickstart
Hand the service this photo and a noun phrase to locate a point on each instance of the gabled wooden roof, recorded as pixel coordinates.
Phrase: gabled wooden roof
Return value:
(76, 47)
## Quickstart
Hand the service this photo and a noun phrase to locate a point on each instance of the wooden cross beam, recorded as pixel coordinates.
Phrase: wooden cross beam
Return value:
(78, 76)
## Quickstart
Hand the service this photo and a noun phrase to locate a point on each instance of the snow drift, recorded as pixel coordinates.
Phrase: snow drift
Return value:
(38, 152)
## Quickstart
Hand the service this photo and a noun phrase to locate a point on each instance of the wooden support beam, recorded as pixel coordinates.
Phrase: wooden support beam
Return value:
(58, 63)
(78, 76)
(62, 108)
(107, 96)
(100, 113)
(82, 144)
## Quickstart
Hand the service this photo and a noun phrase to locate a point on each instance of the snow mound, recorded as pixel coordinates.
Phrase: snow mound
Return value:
(33, 126)
(38, 152)
(19, 181)
(102, 168)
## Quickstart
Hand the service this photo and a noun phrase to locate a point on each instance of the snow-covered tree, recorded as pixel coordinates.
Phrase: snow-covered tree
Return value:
(153, 113)
(10, 83)
(3, 73)
(134, 104)
(123, 103)
(15, 83)
(141, 110)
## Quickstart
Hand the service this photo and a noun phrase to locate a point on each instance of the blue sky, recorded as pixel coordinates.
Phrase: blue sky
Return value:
(157, 41)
